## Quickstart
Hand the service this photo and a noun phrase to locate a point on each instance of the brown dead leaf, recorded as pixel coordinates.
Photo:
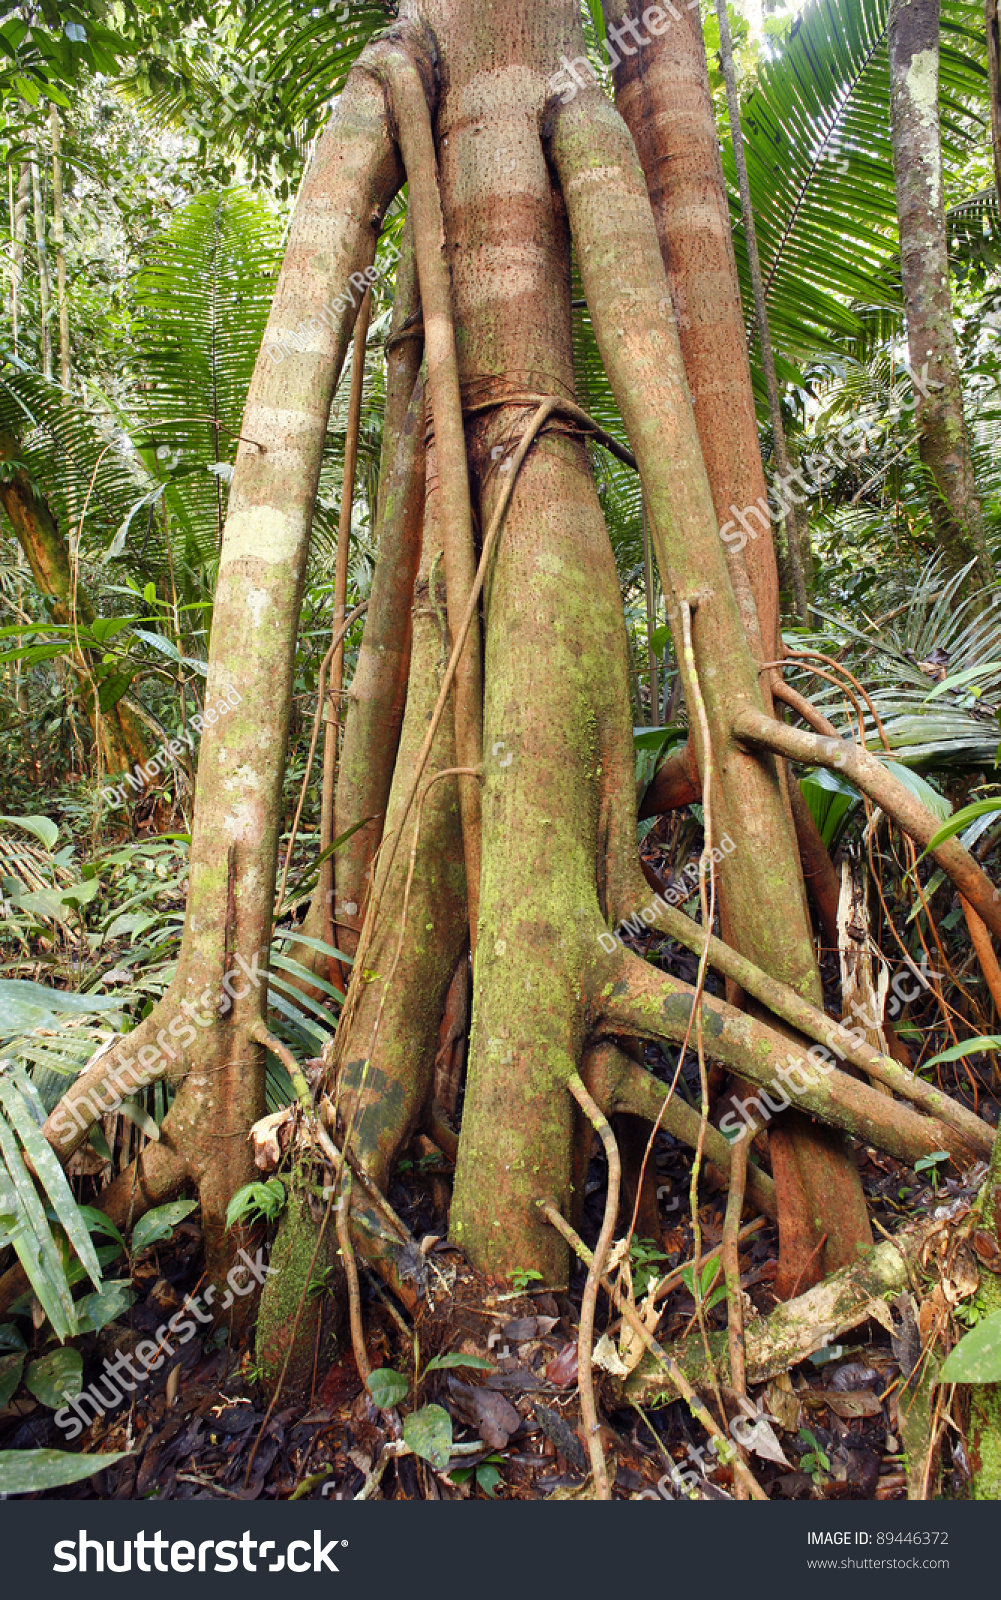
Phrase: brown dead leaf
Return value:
(963, 1280)
(987, 1251)
(782, 1402)
(860, 1403)
(266, 1138)
(562, 1370)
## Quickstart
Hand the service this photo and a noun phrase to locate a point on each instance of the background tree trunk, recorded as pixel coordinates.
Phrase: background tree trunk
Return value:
(120, 735)
(59, 240)
(943, 440)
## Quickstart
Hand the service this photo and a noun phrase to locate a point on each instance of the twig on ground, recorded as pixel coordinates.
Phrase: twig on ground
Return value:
(343, 1225)
(701, 1413)
(596, 1267)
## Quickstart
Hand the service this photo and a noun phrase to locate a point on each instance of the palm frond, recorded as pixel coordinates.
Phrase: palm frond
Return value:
(817, 134)
(202, 303)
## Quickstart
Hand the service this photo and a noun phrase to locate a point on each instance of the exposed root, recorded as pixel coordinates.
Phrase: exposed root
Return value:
(783, 1001)
(340, 634)
(391, 845)
(675, 784)
(981, 940)
(873, 778)
(416, 140)
(351, 1273)
(801, 705)
(263, 1036)
(798, 1328)
(731, 1266)
(69, 1123)
(639, 1000)
(622, 1085)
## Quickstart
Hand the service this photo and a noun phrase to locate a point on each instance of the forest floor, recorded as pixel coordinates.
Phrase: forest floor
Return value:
(201, 1426)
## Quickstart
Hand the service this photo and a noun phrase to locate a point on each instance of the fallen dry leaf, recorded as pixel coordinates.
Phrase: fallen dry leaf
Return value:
(782, 1402)
(562, 1370)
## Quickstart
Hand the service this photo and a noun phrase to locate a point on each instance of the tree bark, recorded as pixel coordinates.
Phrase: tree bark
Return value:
(332, 716)
(943, 440)
(59, 240)
(44, 288)
(662, 91)
(761, 881)
(378, 691)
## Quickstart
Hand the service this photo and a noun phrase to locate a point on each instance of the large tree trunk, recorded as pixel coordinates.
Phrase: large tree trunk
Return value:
(662, 91)
(943, 440)
(519, 173)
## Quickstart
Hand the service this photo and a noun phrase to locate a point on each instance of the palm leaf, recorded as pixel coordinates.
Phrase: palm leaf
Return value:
(817, 135)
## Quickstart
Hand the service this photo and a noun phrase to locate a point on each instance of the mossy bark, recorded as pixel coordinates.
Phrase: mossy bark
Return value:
(304, 1258)
(761, 880)
(378, 690)
(984, 1433)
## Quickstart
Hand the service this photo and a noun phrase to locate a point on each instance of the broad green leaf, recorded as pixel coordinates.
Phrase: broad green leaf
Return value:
(488, 1478)
(936, 803)
(959, 820)
(36, 1249)
(935, 1159)
(456, 1359)
(966, 1047)
(956, 679)
(25, 1005)
(44, 903)
(428, 1432)
(95, 1311)
(30, 1471)
(43, 828)
(387, 1387)
(97, 1222)
(51, 1176)
(11, 1368)
(831, 800)
(54, 1377)
(160, 1223)
(80, 894)
(105, 628)
(11, 1337)
(977, 1356)
(112, 690)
